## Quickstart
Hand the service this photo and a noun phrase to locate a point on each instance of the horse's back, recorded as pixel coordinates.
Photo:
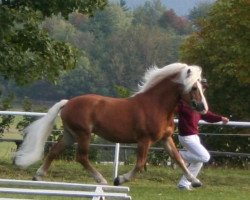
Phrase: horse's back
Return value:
(111, 118)
(81, 107)
(91, 103)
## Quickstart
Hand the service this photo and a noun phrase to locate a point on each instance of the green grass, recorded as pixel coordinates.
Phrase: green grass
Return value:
(158, 183)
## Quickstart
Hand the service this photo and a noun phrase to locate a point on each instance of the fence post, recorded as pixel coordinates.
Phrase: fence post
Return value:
(116, 160)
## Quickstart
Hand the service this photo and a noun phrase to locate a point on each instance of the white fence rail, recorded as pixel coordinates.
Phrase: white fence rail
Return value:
(95, 192)
(39, 114)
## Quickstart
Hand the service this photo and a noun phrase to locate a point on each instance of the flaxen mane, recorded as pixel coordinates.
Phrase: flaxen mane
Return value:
(154, 75)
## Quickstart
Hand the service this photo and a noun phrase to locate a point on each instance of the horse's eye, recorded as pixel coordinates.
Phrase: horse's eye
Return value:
(194, 89)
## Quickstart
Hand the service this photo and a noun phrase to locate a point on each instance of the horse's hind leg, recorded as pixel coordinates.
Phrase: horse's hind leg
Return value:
(173, 152)
(66, 140)
(82, 157)
(142, 152)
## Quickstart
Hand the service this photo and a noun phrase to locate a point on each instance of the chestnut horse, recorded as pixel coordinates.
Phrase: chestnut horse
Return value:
(144, 118)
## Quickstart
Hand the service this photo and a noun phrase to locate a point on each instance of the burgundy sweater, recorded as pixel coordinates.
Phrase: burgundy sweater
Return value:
(189, 119)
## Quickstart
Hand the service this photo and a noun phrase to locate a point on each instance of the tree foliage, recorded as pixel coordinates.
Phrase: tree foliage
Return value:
(149, 14)
(129, 54)
(170, 20)
(111, 52)
(199, 12)
(47, 8)
(221, 47)
(27, 53)
(223, 37)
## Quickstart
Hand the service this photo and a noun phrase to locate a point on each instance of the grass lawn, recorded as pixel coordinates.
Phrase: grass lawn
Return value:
(158, 183)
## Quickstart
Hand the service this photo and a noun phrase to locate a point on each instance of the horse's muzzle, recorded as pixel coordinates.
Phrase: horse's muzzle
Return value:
(198, 106)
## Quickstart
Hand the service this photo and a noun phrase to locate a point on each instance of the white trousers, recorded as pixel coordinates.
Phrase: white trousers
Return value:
(195, 154)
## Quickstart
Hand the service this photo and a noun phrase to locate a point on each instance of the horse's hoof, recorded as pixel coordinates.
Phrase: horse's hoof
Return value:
(117, 181)
(102, 182)
(196, 184)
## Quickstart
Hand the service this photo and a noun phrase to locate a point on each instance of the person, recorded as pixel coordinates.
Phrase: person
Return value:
(194, 154)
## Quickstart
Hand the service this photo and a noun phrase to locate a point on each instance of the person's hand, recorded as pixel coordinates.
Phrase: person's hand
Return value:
(224, 120)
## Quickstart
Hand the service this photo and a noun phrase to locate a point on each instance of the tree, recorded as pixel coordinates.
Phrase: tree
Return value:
(169, 20)
(223, 39)
(82, 80)
(108, 21)
(69, 31)
(117, 53)
(199, 12)
(149, 14)
(221, 47)
(27, 53)
(129, 54)
(47, 8)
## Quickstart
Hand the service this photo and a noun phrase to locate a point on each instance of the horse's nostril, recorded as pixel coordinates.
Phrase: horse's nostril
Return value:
(198, 106)
(194, 104)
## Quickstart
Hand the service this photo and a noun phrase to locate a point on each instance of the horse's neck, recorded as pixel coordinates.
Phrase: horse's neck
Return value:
(164, 96)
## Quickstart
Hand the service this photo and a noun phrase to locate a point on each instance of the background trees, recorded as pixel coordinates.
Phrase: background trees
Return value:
(220, 46)
(116, 45)
(110, 49)
(27, 53)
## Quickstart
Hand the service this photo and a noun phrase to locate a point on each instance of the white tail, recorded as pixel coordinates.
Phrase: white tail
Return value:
(36, 135)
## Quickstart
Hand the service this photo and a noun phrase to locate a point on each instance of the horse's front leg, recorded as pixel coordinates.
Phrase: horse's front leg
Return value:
(142, 152)
(173, 152)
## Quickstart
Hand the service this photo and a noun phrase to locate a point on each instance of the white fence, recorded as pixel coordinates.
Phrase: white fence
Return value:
(95, 192)
(40, 114)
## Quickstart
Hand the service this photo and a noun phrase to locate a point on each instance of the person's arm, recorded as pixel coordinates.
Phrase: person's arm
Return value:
(212, 118)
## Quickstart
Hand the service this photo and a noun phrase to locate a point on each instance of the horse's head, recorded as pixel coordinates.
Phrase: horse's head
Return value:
(193, 94)
(188, 77)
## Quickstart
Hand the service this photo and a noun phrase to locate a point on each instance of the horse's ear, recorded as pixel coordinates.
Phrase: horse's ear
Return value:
(188, 73)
